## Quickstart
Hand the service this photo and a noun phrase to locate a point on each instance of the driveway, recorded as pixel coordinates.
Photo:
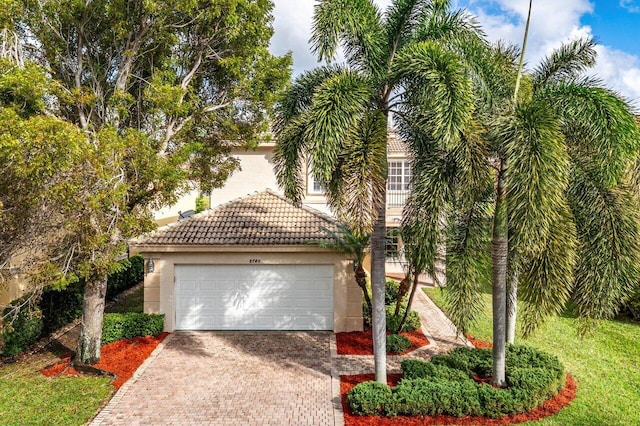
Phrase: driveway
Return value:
(238, 378)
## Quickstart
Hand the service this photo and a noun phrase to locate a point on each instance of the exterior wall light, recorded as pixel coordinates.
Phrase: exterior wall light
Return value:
(150, 266)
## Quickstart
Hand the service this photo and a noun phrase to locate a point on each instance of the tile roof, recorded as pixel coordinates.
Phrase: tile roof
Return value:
(395, 145)
(264, 218)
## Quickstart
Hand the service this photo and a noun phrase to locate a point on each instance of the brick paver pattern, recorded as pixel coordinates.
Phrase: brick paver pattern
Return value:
(241, 378)
(255, 378)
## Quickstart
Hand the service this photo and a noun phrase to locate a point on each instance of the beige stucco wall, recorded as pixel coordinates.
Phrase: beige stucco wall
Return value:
(159, 286)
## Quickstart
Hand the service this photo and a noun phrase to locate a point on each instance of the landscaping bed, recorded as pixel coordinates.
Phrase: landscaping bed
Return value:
(361, 342)
(122, 358)
(454, 388)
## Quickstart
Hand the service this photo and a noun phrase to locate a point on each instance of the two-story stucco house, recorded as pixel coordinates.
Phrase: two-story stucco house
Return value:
(257, 174)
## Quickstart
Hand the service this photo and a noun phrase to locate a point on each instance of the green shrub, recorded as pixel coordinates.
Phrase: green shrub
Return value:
(417, 369)
(130, 274)
(369, 398)
(391, 289)
(431, 397)
(446, 386)
(25, 329)
(129, 325)
(60, 307)
(393, 322)
(397, 344)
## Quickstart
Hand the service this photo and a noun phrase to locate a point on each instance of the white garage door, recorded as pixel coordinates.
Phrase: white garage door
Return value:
(254, 297)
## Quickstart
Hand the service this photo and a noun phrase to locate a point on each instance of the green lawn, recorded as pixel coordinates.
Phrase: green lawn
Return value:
(29, 398)
(605, 365)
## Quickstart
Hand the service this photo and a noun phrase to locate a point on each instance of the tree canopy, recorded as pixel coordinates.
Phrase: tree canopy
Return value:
(153, 96)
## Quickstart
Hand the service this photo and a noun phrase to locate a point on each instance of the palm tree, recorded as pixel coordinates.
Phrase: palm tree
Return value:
(540, 181)
(336, 117)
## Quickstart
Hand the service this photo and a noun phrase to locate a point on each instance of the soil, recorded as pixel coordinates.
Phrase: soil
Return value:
(121, 358)
(548, 408)
(361, 342)
(480, 344)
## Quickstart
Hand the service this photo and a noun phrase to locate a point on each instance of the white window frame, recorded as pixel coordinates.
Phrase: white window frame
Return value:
(313, 186)
(402, 179)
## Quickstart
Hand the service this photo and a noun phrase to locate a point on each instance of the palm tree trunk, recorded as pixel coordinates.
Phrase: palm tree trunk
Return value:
(410, 302)
(378, 317)
(512, 307)
(89, 341)
(361, 280)
(499, 250)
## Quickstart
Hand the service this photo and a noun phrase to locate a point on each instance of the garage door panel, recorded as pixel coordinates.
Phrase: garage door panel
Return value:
(256, 297)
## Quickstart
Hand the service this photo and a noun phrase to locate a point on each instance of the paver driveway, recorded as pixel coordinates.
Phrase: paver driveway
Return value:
(239, 378)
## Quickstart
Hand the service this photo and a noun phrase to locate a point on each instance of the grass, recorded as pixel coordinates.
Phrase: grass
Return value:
(605, 366)
(28, 397)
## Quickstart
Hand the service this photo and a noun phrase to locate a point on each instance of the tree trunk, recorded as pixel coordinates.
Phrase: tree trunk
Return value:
(89, 341)
(499, 247)
(378, 317)
(361, 280)
(512, 307)
(409, 302)
(403, 289)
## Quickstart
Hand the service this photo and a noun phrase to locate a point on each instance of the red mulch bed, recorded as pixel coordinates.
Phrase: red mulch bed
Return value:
(480, 344)
(361, 342)
(121, 358)
(548, 408)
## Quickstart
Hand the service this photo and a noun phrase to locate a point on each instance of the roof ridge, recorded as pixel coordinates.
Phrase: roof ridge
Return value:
(318, 213)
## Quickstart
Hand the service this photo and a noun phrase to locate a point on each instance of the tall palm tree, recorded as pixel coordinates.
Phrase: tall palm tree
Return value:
(541, 183)
(337, 116)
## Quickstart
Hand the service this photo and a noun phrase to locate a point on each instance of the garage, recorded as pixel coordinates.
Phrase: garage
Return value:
(254, 263)
(254, 297)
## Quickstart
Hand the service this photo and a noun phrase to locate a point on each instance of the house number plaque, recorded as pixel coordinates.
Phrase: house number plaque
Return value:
(254, 261)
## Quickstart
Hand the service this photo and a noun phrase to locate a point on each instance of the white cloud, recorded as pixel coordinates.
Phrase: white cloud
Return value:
(552, 23)
(631, 5)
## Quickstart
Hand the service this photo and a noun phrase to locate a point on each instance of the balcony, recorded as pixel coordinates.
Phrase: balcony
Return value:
(396, 199)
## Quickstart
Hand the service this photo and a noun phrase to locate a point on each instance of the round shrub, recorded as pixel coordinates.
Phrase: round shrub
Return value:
(417, 369)
(397, 344)
(369, 398)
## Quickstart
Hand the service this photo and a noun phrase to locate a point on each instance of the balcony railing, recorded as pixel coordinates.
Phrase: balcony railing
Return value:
(396, 199)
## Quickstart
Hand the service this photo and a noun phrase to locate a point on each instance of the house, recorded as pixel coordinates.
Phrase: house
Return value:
(252, 263)
(257, 174)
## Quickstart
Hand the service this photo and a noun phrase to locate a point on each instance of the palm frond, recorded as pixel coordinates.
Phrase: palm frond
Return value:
(356, 26)
(608, 267)
(338, 105)
(566, 62)
(288, 157)
(599, 126)
(357, 184)
(546, 279)
(437, 90)
(537, 174)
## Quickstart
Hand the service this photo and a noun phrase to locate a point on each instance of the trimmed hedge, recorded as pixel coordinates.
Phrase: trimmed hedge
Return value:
(129, 325)
(390, 294)
(397, 344)
(56, 308)
(369, 398)
(446, 385)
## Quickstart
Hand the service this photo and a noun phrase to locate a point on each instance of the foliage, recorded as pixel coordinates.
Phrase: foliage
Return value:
(140, 102)
(334, 119)
(397, 343)
(202, 203)
(607, 359)
(369, 398)
(393, 321)
(631, 308)
(61, 306)
(129, 273)
(391, 290)
(25, 328)
(446, 385)
(129, 325)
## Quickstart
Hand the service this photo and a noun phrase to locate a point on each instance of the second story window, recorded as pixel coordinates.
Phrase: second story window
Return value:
(313, 186)
(399, 178)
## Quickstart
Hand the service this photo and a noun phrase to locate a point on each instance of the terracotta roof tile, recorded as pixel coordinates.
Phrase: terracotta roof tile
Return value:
(395, 145)
(264, 218)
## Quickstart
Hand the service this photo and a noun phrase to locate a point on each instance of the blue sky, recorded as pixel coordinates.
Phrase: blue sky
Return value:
(614, 23)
